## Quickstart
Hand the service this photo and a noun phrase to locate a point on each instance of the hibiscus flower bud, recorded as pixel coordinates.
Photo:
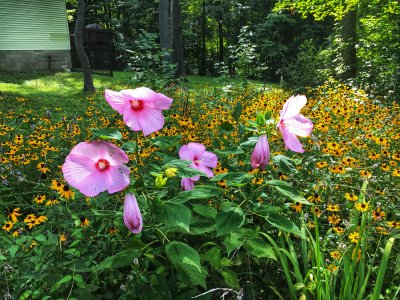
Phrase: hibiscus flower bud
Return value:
(261, 154)
(132, 217)
(161, 181)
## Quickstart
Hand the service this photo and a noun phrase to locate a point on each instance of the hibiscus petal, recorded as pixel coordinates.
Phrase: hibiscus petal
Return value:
(117, 178)
(209, 159)
(162, 101)
(187, 184)
(114, 155)
(88, 182)
(299, 125)
(131, 119)
(141, 93)
(197, 149)
(91, 150)
(116, 100)
(205, 170)
(291, 141)
(185, 153)
(293, 106)
(150, 120)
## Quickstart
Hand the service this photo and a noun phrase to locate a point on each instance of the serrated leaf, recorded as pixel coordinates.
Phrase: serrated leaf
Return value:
(129, 147)
(260, 249)
(213, 256)
(284, 224)
(199, 192)
(121, 259)
(230, 278)
(187, 260)
(226, 126)
(229, 220)
(106, 133)
(285, 164)
(13, 250)
(175, 215)
(59, 283)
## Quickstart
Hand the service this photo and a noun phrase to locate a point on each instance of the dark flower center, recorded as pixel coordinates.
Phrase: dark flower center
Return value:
(102, 165)
(137, 105)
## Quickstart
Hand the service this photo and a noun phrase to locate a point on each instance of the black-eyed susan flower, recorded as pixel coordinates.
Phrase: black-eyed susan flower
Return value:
(297, 206)
(354, 236)
(351, 197)
(362, 207)
(334, 219)
(52, 202)
(381, 230)
(15, 214)
(393, 224)
(332, 207)
(42, 167)
(67, 193)
(339, 230)
(378, 214)
(335, 254)
(8, 226)
(39, 199)
(84, 222)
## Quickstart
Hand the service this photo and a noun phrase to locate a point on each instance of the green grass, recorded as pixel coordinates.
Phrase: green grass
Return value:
(64, 89)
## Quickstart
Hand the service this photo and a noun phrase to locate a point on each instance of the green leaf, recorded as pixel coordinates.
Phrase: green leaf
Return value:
(287, 190)
(129, 147)
(229, 151)
(199, 192)
(13, 250)
(106, 133)
(187, 260)
(229, 220)
(237, 111)
(205, 210)
(230, 278)
(121, 259)
(226, 126)
(59, 283)
(175, 215)
(265, 210)
(213, 256)
(259, 249)
(39, 238)
(166, 142)
(200, 226)
(184, 171)
(285, 164)
(284, 224)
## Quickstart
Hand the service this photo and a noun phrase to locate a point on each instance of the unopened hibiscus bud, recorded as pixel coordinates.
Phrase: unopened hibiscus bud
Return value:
(171, 172)
(160, 181)
(132, 217)
(261, 154)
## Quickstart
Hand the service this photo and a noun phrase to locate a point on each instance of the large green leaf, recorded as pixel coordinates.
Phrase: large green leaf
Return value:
(121, 259)
(229, 220)
(230, 278)
(106, 134)
(284, 224)
(184, 171)
(285, 164)
(175, 215)
(200, 192)
(186, 260)
(259, 249)
(166, 142)
(206, 211)
(229, 151)
(287, 190)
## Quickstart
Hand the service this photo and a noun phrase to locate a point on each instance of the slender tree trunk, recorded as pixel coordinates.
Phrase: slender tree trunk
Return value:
(221, 41)
(163, 18)
(87, 76)
(202, 67)
(176, 38)
(349, 38)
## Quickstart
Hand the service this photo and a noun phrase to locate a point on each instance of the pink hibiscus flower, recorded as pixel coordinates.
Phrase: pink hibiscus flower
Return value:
(261, 154)
(141, 108)
(292, 124)
(132, 216)
(201, 159)
(95, 167)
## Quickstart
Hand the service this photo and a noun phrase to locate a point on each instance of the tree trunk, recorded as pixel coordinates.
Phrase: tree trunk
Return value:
(221, 41)
(163, 18)
(176, 38)
(202, 67)
(87, 76)
(349, 38)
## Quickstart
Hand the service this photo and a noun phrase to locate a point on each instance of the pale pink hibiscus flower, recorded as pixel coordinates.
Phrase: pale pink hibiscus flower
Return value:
(95, 167)
(201, 160)
(132, 216)
(261, 153)
(292, 124)
(141, 108)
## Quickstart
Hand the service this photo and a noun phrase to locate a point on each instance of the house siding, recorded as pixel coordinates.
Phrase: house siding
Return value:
(34, 35)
